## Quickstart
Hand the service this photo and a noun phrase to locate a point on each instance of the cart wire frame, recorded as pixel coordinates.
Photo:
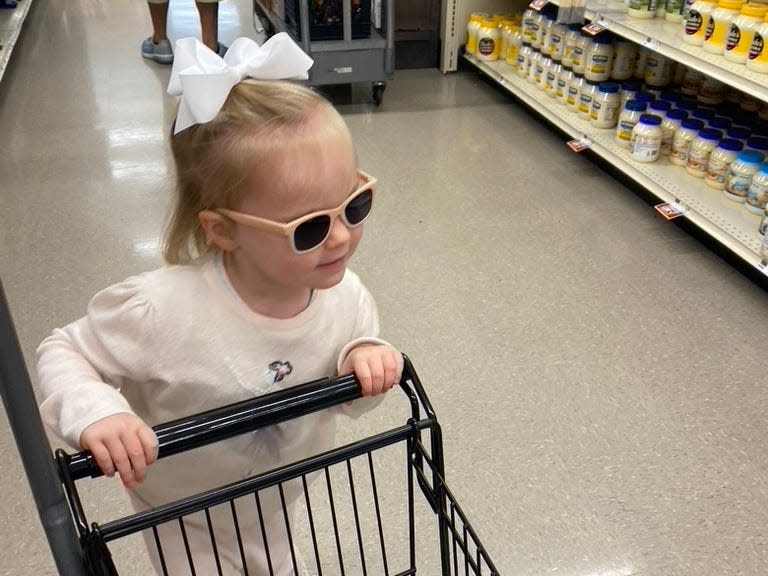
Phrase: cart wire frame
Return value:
(80, 549)
(460, 549)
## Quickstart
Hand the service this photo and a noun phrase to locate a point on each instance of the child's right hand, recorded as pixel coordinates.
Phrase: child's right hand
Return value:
(122, 443)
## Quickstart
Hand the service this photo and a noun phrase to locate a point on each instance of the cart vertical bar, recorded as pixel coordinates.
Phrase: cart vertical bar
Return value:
(304, 26)
(35, 450)
(436, 436)
(347, 20)
(389, 64)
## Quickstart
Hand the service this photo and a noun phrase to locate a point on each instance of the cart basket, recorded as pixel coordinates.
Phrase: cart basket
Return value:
(341, 526)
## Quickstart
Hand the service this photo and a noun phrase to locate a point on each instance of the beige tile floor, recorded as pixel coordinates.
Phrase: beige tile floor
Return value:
(600, 374)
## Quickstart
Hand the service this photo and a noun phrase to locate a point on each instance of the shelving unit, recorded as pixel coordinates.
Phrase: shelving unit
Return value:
(727, 222)
(348, 60)
(11, 22)
(665, 38)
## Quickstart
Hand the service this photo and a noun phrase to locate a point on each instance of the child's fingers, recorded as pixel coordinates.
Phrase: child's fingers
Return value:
(120, 459)
(136, 456)
(363, 373)
(391, 370)
(103, 458)
(149, 442)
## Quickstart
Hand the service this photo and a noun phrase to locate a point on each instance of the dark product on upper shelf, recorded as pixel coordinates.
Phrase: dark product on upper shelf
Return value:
(326, 19)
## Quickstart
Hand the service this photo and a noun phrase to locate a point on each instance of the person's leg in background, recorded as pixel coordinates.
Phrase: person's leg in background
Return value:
(157, 47)
(209, 24)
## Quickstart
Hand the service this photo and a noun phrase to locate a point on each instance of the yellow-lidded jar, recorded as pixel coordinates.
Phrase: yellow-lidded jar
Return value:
(719, 24)
(475, 20)
(757, 59)
(488, 40)
(696, 20)
(742, 30)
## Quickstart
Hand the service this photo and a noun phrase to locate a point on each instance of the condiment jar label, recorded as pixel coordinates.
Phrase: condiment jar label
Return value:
(693, 22)
(710, 30)
(486, 46)
(734, 37)
(756, 48)
(737, 185)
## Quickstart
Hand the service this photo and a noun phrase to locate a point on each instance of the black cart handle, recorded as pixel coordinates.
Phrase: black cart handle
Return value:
(260, 412)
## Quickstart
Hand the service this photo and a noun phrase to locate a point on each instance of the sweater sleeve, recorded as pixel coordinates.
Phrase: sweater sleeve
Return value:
(366, 332)
(81, 367)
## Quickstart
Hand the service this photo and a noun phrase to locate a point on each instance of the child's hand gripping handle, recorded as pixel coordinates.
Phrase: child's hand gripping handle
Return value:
(235, 419)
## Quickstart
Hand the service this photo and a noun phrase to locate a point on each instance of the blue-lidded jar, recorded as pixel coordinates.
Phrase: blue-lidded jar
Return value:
(673, 119)
(627, 120)
(681, 142)
(720, 123)
(645, 143)
(757, 195)
(701, 147)
(738, 133)
(720, 161)
(739, 177)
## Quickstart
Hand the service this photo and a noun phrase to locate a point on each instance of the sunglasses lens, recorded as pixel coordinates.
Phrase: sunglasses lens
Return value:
(359, 208)
(311, 233)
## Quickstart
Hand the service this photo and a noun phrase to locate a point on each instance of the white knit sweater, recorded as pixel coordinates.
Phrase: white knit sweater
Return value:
(179, 340)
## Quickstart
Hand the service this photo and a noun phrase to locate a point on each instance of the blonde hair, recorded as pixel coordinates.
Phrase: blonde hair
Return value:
(214, 160)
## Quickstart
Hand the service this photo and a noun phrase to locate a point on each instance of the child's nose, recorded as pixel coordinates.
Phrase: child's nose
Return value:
(339, 234)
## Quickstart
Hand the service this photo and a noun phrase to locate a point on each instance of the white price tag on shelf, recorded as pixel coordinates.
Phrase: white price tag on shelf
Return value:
(763, 267)
(651, 44)
(538, 4)
(593, 28)
(580, 144)
(672, 210)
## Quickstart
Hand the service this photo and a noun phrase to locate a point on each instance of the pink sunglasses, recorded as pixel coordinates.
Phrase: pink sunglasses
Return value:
(308, 232)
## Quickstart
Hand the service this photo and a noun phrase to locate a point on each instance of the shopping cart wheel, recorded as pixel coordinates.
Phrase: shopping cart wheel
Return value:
(378, 92)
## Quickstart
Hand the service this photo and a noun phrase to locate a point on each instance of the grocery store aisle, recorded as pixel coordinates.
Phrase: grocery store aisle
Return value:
(599, 373)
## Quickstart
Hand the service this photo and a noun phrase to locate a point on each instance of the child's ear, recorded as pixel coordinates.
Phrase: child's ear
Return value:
(219, 232)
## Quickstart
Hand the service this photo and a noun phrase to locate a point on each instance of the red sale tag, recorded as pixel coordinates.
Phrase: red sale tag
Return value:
(672, 210)
(593, 28)
(580, 144)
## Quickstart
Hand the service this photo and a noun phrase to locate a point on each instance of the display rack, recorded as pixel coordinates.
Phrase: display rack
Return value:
(665, 37)
(348, 60)
(727, 222)
(11, 22)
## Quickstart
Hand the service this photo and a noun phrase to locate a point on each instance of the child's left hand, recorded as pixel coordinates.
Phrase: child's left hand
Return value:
(378, 368)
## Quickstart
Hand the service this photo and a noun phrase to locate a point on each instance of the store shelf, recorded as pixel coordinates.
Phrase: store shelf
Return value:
(11, 22)
(728, 222)
(665, 38)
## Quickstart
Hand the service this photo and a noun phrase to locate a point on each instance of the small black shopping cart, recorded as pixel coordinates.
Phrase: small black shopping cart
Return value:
(377, 505)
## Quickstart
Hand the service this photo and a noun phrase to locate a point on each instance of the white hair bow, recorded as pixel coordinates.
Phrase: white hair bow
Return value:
(203, 79)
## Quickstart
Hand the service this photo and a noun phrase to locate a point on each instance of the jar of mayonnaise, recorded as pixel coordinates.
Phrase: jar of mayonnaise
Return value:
(740, 173)
(605, 106)
(720, 161)
(757, 59)
(628, 117)
(599, 58)
(473, 26)
(701, 147)
(672, 121)
(720, 21)
(742, 30)
(645, 142)
(757, 195)
(625, 54)
(658, 70)
(695, 22)
(681, 141)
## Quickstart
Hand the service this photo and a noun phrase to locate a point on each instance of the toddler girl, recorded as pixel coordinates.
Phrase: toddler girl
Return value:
(256, 297)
